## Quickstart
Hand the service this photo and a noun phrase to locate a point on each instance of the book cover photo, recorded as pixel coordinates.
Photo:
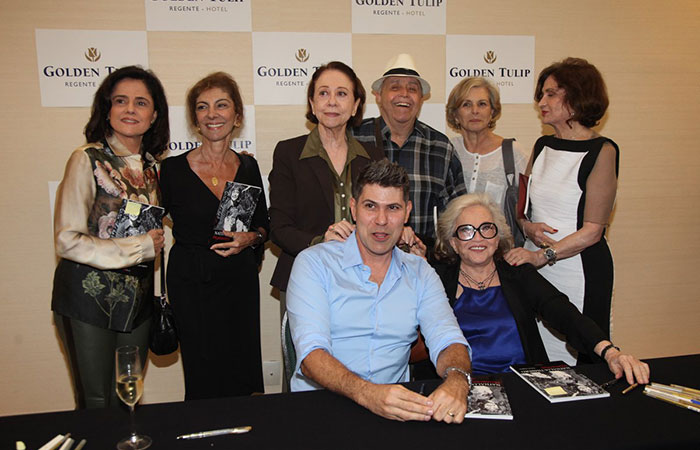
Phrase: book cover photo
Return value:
(236, 209)
(134, 219)
(488, 400)
(558, 382)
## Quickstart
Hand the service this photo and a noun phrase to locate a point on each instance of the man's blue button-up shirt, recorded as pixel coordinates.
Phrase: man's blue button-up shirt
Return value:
(332, 305)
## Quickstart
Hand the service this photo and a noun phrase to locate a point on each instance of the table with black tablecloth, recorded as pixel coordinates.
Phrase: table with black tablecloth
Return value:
(323, 420)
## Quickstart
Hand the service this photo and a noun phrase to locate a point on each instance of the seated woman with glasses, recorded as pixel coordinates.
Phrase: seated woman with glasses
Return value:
(496, 304)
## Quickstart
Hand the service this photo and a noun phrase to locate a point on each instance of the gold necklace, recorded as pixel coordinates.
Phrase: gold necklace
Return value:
(214, 179)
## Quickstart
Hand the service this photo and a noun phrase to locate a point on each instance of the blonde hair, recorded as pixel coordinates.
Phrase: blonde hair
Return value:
(460, 92)
(447, 225)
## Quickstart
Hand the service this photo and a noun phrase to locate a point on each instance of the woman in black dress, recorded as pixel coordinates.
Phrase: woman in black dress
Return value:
(214, 289)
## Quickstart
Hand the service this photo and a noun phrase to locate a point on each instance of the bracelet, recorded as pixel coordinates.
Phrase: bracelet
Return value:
(258, 239)
(466, 374)
(608, 347)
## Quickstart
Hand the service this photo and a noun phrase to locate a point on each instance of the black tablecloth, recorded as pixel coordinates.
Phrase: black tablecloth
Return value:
(323, 420)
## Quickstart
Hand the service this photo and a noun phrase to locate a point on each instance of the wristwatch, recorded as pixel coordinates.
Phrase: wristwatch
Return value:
(258, 239)
(551, 255)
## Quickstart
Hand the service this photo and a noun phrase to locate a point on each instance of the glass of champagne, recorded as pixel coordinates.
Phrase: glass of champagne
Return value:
(129, 390)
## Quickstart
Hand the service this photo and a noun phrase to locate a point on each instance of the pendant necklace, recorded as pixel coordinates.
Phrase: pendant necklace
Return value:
(480, 285)
(214, 179)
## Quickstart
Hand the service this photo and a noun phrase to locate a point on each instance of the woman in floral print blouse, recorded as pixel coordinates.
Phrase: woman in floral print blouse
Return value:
(103, 286)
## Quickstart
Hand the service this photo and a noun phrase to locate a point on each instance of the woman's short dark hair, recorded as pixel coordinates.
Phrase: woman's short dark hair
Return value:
(220, 80)
(358, 91)
(384, 173)
(584, 88)
(155, 140)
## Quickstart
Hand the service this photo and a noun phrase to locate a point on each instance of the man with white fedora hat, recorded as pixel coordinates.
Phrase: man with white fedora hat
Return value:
(427, 155)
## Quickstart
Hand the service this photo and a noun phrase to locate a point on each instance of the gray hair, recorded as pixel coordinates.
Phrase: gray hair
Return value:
(447, 225)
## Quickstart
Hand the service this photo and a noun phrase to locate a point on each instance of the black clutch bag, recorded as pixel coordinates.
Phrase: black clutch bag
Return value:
(163, 334)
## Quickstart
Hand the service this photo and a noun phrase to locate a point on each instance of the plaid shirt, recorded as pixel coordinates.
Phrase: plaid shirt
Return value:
(433, 169)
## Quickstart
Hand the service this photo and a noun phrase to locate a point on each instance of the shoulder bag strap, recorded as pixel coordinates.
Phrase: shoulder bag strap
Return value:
(508, 161)
(162, 273)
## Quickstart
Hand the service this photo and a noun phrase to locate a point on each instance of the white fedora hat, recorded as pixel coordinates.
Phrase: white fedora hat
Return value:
(402, 65)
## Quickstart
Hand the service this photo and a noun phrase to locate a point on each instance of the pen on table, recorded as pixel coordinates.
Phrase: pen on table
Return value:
(67, 444)
(687, 389)
(205, 434)
(610, 383)
(629, 388)
(673, 402)
(55, 442)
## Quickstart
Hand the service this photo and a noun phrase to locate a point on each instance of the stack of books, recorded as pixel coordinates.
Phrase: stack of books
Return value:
(678, 395)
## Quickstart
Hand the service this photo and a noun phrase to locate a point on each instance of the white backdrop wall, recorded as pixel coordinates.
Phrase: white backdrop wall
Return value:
(647, 51)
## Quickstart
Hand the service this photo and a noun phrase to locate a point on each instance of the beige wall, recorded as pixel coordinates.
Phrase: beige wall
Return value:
(647, 51)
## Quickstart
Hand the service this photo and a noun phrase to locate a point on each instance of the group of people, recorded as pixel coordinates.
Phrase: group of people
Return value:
(367, 270)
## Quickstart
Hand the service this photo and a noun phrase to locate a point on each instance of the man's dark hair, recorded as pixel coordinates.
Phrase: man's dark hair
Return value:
(383, 173)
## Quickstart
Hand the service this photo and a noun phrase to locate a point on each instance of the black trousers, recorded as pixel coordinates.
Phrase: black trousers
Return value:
(90, 351)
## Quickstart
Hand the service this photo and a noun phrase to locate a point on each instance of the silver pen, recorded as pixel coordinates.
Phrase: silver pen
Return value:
(206, 434)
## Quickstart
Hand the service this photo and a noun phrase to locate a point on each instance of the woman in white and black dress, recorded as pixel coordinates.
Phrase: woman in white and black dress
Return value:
(573, 182)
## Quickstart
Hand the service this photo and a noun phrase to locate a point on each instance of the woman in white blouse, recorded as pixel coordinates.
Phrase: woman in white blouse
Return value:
(472, 109)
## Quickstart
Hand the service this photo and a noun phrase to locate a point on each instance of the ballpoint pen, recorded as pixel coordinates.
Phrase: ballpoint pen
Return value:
(610, 383)
(629, 388)
(206, 434)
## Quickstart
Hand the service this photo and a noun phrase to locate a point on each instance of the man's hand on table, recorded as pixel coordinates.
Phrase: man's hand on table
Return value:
(450, 399)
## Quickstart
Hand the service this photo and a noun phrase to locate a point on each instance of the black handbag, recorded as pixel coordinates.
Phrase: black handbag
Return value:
(163, 339)
(511, 201)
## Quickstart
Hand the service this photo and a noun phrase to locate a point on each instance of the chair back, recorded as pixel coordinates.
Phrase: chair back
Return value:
(289, 353)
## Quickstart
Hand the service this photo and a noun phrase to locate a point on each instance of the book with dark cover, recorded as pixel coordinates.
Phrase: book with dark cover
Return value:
(558, 382)
(134, 219)
(488, 400)
(236, 209)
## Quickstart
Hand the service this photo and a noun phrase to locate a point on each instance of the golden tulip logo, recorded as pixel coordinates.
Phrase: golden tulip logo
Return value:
(490, 57)
(92, 54)
(302, 55)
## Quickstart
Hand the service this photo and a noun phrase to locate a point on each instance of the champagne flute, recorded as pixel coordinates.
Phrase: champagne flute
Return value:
(129, 390)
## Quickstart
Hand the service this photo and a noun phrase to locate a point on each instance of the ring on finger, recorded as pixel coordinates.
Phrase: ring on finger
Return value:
(450, 413)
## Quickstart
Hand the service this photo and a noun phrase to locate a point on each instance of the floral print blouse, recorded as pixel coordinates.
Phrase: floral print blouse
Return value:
(91, 283)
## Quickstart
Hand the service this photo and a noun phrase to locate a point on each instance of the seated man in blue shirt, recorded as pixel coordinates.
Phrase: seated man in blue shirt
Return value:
(355, 306)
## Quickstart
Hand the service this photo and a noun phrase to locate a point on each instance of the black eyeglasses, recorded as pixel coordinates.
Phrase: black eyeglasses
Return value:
(466, 232)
